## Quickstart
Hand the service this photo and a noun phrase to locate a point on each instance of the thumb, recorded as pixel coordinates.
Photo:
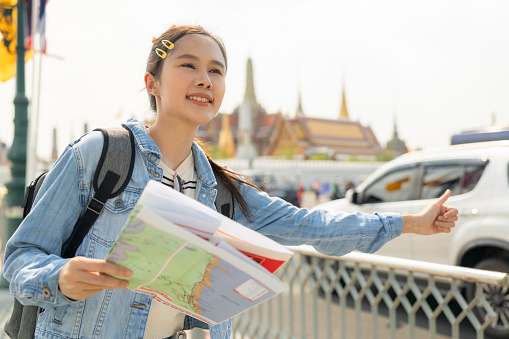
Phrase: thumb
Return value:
(443, 198)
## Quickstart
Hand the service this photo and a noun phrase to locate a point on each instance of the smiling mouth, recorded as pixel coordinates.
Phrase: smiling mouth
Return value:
(199, 99)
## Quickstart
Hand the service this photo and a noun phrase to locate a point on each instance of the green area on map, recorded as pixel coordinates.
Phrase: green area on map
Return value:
(163, 262)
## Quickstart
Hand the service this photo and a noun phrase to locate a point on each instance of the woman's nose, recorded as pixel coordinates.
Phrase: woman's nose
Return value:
(204, 81)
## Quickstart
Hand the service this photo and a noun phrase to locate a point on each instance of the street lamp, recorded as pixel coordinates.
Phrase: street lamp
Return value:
(18, 151)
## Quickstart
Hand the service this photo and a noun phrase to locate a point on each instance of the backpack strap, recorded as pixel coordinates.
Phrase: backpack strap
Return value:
(31, 192)
(112, 175)
(117, 156)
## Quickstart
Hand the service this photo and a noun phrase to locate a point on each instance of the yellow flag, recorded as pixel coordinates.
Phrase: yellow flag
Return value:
(8, 20)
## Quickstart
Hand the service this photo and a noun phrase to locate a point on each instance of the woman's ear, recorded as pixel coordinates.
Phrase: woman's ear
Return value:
(150, 84)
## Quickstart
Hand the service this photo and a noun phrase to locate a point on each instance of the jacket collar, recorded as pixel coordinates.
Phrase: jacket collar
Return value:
(149, 149)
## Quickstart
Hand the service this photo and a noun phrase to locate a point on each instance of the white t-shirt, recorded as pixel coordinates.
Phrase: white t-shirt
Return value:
(163, 321)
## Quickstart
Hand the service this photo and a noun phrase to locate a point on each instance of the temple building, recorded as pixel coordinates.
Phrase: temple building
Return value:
(255, 129)
(396, 146)
(339, 138)
(252, 129)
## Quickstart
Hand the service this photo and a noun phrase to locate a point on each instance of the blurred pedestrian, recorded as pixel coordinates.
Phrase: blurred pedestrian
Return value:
(316, 189)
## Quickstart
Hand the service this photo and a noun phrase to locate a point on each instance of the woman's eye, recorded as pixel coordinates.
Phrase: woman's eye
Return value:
(217, 71)
(188, 65)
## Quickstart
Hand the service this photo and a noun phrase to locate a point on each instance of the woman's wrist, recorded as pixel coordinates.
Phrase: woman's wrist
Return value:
(410, 223)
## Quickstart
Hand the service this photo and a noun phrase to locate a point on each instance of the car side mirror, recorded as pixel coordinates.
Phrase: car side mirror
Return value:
(352, 196)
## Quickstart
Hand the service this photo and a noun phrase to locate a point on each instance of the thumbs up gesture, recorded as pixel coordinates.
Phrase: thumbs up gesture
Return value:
(435, 218)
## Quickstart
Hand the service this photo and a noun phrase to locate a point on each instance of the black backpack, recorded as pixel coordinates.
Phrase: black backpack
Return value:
(111, 176)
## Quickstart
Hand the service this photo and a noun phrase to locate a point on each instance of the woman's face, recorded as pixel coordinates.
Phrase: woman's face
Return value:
(192, 82)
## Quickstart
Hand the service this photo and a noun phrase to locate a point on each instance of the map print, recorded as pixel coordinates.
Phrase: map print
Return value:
(183, 275)
(185, 271)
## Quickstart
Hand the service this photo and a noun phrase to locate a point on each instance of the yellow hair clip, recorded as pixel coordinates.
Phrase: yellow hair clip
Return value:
(162, 54)
(168, 44)
(154, 39)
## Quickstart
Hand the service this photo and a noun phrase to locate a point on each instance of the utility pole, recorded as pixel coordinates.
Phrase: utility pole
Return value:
(18, 151)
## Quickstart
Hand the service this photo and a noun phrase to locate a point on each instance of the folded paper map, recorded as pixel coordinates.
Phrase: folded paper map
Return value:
(194, 259)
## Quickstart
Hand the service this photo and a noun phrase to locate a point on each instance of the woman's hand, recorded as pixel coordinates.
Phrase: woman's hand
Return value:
(436, 218)
(82, 277)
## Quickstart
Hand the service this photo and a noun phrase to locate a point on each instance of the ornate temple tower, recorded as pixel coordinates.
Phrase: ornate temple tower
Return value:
(343, 113)
(54, 151)
(300, 112)
(246, 119)
(396, 146)
(226, 142)
(250, 89)
(245, 146)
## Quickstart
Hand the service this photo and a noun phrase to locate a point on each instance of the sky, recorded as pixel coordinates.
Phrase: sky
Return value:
(436, 67)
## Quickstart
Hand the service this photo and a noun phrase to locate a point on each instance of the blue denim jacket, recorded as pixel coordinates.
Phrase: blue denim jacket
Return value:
(32, 257)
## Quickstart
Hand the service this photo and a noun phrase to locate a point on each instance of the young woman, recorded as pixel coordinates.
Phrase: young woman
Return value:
(185, 81)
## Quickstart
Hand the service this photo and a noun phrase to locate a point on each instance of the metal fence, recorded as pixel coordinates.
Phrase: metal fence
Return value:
(371, 296)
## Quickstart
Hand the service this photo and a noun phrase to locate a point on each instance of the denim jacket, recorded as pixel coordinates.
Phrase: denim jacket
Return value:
(32, 257)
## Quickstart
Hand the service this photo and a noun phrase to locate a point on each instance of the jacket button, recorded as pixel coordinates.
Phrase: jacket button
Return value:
(46, 292)
(203, 195)
(118, 203)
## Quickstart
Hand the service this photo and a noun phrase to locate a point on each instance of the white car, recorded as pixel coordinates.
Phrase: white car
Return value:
(478, 176)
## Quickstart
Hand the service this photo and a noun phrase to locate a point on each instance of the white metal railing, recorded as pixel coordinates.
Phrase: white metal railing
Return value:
(370, 296)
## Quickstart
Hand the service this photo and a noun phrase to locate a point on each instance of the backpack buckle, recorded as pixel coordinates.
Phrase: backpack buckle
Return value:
(95, 206)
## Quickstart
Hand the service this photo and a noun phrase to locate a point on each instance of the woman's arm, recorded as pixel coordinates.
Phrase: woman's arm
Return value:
(33, 253)
(33, 261)
(338, 233)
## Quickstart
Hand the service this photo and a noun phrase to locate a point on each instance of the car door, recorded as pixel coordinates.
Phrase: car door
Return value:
(461, 177)
(393, 191)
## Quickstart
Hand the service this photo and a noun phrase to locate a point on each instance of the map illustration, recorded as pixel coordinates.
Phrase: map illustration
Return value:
(182, 270)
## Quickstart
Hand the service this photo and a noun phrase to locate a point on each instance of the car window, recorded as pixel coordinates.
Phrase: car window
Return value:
(472, 175)
(458, 178)
(394, 186)
(437, 179)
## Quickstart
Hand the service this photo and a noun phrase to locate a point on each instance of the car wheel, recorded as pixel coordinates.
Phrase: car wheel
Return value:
(497, 297)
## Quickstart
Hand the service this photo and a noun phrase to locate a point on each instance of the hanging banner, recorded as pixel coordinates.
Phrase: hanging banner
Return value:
(8, 25)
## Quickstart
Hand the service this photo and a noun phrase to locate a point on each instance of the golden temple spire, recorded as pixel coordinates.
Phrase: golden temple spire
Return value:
(343, 113)
(225, 142)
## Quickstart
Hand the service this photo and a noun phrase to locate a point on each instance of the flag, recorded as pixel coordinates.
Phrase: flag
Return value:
(41, 26)
(8, 28)
(40, 6)
(8, 16)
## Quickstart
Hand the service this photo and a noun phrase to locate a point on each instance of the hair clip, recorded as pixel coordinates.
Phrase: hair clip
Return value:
(166, 43)
(154, 39)
(162, 54)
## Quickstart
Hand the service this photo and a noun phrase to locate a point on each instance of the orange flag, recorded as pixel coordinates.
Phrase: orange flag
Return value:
(8, 22)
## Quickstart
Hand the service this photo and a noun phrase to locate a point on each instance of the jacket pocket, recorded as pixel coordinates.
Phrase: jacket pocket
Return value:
(59, 314)
(105, 230)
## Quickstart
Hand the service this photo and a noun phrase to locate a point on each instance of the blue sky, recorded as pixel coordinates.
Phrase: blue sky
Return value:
(440, 67)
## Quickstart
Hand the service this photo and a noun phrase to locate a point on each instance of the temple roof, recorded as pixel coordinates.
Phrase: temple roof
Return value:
(341, 136)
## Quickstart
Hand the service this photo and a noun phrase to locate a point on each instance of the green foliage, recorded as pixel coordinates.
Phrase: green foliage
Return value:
(385, 155)
(320, 156)
(288, 153)
(216, 152)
